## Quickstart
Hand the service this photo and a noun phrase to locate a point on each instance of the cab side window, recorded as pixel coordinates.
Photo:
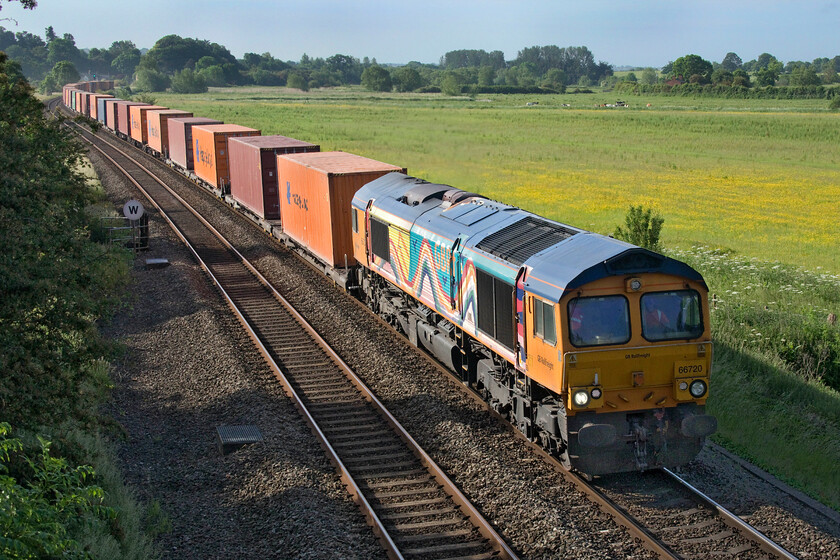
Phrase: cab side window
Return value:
(544, 323)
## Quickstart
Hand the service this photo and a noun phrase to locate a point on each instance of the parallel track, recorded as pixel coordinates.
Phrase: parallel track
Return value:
(342, 414)
(414, 509)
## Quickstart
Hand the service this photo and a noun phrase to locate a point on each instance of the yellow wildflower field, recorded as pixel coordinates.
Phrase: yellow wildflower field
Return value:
(763, 181)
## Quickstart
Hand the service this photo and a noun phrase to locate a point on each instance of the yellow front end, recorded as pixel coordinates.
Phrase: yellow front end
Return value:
(637, 378)
(635, 358)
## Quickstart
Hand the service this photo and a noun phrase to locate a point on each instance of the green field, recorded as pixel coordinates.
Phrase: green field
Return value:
(750, 193)
(761, 177)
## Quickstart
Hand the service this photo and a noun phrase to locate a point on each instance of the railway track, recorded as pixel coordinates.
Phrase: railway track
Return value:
(665, 532)
(669, 516)
(686, 522)
(414, 509)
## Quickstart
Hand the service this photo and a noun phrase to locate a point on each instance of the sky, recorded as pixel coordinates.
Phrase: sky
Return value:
(638, 33)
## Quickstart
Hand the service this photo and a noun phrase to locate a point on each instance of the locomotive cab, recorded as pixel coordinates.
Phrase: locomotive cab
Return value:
(629, 355)
(636, 361)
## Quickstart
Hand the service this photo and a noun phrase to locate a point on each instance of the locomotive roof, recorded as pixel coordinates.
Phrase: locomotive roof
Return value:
(560, 258)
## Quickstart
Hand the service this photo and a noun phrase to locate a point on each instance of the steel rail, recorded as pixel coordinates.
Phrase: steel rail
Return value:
(734, 521)
(458, 497)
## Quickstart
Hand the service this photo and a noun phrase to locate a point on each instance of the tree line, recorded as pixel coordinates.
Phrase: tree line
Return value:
(192, 65)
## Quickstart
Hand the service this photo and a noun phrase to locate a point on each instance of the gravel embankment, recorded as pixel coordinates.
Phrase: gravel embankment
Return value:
(173, 409)
(188, 368)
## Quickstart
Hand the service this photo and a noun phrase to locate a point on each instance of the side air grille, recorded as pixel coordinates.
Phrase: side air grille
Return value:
(495, 308)
(518, 242)
(379, 242)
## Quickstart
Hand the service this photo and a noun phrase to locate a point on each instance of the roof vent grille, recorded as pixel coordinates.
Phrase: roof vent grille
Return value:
(520, 241)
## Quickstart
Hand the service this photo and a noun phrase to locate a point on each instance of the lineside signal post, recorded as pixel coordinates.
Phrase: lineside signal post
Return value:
(133, 210)
(139, 224)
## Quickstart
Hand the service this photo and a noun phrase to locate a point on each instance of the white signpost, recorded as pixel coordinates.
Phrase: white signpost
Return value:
(133, 210)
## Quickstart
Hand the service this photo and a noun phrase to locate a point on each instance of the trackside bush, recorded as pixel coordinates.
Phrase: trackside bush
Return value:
(44, 501)
(642, 227)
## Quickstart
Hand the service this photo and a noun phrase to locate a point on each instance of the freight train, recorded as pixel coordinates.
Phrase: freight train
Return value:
(596, 349)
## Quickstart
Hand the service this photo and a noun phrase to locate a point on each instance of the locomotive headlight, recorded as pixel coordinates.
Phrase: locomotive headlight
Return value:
(581, 398)
(633, 284)
(697, 388)
(596, 393)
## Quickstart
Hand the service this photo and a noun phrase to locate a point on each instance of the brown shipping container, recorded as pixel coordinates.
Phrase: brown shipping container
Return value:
(315, 194)
(94, 104)
(158, 134)
(211, 152)
(111, 113)
(139, 126)
(124, 116)
(253, 170)
(180, 139)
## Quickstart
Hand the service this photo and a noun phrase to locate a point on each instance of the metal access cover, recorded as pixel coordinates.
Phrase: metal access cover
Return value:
(152, 264)
(232, 438)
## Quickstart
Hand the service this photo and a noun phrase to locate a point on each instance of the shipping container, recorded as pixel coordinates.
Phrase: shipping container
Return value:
(101, 85)
(180, 139)
(124, 116)
(85, 110)
(94, 105)
(102, 108)
(253, 171)
(139, 127)
(111, 112)
(316, 190)
(158, 135)
(211, 151)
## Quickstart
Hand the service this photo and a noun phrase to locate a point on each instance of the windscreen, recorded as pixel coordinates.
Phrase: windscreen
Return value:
(599, 321)
(671, 315)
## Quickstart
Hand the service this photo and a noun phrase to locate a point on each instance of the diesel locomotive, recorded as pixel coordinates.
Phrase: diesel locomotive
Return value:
(595, 348)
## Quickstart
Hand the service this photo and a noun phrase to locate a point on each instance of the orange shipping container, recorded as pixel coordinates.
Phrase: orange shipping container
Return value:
(111, 113)
(211, 151)
(94, 105)
(180, 139)
(139, 126)
(158, 121)
(315, 194)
